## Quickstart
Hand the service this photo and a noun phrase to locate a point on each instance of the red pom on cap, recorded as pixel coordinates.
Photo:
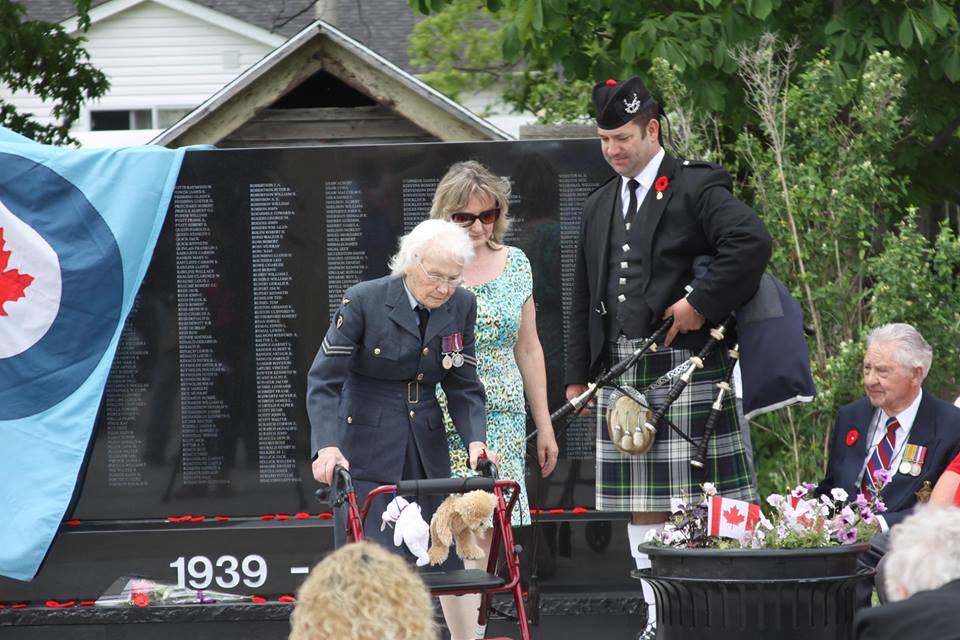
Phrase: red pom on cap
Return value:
(611, 82)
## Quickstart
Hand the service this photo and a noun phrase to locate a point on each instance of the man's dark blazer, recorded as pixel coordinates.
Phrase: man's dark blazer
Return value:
(926, 615)
(697, 216)
(370, 365)
(936, 427)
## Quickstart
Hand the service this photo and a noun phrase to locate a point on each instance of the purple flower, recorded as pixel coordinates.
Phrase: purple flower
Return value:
(878, 506)
(847, 536)
(867, 516)
(847, 517)
(810, 486)
(799, 491)
(861, 501)
(881, 477)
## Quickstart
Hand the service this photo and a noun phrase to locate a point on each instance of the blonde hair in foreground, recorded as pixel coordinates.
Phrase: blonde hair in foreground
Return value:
(362, 591)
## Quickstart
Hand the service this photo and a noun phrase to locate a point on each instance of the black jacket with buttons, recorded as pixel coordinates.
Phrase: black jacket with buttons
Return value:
(696, 216)
(372, 382)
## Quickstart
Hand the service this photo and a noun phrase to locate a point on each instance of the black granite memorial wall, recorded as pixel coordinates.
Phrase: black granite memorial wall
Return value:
(204, 412)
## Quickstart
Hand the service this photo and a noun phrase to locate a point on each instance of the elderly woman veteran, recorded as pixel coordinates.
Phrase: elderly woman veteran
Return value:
(370, 390)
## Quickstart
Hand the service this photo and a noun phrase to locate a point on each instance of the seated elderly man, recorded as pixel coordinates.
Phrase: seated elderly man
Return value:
(923, 581)
(900, 431)
(899, 428)
(363, 592)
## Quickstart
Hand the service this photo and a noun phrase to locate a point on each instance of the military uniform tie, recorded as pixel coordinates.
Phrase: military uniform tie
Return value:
(424, 314)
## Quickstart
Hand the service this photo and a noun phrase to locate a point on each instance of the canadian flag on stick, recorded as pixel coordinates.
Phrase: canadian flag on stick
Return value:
(731, 518)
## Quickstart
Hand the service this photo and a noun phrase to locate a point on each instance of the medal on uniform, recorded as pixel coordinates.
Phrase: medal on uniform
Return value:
(452, 346)
(912, 462)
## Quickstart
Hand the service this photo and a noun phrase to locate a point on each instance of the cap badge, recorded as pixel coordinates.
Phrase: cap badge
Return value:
(633, 106)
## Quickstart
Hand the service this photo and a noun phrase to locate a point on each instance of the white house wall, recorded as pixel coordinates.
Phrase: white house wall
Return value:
(155, 57)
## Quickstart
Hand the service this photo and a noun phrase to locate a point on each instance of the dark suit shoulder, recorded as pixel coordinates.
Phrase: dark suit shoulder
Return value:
(703, 174)
(366, 290)
(599, 191)
(941, 406)
(857, 406)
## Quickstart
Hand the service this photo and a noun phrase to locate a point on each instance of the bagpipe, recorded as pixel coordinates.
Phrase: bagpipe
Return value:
(631, 422)
(775, 371)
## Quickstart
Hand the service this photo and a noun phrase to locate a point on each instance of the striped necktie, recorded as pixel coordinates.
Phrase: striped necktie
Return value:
(882, 457)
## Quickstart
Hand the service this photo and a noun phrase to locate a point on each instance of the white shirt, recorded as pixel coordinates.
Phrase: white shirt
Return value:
(878, 432)
(646, 178)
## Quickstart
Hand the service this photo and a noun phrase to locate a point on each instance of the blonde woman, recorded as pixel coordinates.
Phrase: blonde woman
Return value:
(363, 592)
(510, 359)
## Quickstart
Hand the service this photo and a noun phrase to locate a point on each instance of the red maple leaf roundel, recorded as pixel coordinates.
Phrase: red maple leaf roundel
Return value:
(12, 282)
(733, 516)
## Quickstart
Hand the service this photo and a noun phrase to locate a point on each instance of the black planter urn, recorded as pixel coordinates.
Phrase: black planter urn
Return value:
(739, 594)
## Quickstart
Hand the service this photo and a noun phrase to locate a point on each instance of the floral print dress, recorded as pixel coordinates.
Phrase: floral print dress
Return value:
(499, 303)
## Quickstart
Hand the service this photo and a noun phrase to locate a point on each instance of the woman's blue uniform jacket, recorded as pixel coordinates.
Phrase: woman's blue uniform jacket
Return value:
(372, 382)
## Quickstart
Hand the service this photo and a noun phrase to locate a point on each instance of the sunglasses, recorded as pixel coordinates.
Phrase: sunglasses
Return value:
(465, 219)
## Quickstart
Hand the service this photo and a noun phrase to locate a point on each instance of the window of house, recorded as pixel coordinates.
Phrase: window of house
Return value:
(120, 120)
(130, 119)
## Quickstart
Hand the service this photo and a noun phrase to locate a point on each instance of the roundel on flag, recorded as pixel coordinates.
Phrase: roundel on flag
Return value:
(61, 287)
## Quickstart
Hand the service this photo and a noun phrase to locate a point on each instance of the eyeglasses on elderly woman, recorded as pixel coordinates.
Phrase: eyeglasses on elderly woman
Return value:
(438, 279)
(465, 219)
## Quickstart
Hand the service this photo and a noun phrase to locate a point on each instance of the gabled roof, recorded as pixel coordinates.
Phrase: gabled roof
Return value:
(284, 17)
(321, 46)
(384, 25)
(110, 8)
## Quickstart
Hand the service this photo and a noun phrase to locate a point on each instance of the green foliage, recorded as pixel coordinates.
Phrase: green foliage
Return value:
(560, 41)
(461, 46)
(917, 281)
(819, 175)
(42, 59)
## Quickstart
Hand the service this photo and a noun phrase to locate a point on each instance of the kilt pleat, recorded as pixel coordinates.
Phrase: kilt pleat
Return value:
(647, 482)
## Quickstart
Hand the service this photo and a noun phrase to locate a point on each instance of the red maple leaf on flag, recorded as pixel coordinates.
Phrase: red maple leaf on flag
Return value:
(12, 282)
(732, 515)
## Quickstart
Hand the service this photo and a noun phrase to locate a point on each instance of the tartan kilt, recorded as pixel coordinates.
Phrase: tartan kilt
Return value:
(647, 482)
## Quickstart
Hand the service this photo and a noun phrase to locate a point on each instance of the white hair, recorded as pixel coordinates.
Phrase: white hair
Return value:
(432, 236)
(924, 551)
(911, 351)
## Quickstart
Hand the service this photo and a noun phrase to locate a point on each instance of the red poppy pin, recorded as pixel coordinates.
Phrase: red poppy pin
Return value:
(611, 82)
(661, 185)
(852, 436)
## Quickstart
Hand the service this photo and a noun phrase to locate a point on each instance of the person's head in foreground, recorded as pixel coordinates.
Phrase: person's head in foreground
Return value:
(362, 591)
(924, 552)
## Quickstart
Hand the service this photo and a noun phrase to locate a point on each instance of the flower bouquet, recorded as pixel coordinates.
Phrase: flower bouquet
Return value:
(798, 520)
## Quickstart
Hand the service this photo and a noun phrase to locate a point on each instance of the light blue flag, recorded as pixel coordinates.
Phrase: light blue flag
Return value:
(77, 230)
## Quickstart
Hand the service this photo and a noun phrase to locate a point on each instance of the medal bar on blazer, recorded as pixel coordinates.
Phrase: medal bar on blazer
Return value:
(912, 461)
(452, 346)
